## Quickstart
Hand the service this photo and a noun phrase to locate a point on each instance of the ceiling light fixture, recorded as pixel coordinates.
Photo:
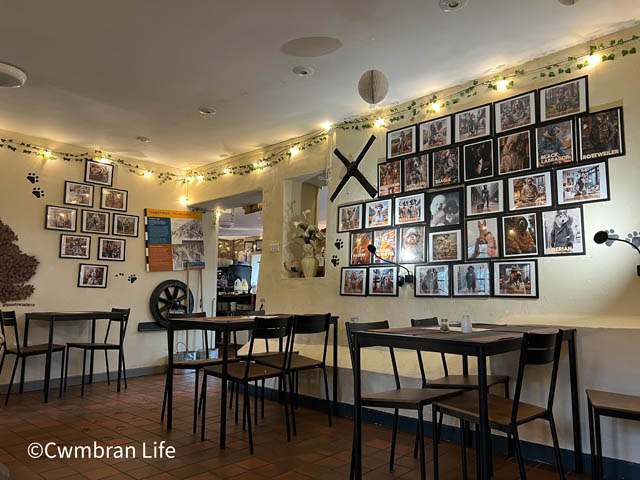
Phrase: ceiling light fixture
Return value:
(294, 150)
(452, 5)
(303, 71)
(11, 77)
(207, 111)
(143, 139)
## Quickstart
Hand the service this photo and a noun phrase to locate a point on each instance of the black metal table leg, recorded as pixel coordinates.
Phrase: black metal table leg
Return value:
(223, 402)
(47, 368)
(93, 340)
(575, 403)
(170, 376)
(600, 468)
(24, 359)
(335, 368)
(120, 352)
(591, 439)
(357, 392)
(485, 433)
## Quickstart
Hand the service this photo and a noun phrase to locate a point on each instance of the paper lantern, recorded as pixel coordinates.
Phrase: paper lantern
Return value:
(373, 86)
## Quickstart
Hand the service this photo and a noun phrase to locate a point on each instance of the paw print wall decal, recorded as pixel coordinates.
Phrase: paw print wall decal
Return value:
(37, 192)
(339, 244)
(335, 260)
(32, 177)
(132, 278)
(634, 238)
(612, 238)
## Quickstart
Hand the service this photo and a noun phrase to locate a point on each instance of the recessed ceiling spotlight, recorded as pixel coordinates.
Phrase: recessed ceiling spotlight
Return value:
(207, 111)
(303, 71)
(452, 5)
(11, 77)
(143, 139)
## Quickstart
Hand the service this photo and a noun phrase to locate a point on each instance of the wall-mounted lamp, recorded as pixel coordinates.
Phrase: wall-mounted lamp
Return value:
(603, 237)
(408, 278)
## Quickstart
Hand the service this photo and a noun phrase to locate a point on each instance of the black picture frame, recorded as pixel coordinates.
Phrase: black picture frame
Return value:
(115, 230)
(533, 112)
(561, 236)
(408, 165)
(83, 224)
(603, 167)
(467, 266)
(549, 189)
(68, 201)
(339, 227)
(545, 130)
(448, 140)
(379, 233)
(601, 155)
(371, 279)
(471, 192)
(383, 192)
(94, 172)
(457, 120)
(388, 201)
(104, 191)
(582, 107)
(61, 249)
(105, 275)
(518, 242)
(459, 243)
(498, 291)
(362, 249)
(468, 155)
(364, 271)
(438, 181)
(391, 134)
(482, 238)
(418, 283)
(54, 223)
(409, 257)
(398, 209)
(440, 208)
(109, 259)
(499, 154)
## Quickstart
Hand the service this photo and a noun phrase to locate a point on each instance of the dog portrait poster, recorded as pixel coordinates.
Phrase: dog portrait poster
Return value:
(601, 135)
(349, 218)
(530, 191)
(409, 209)
(444, 207)
(412, 245)
(401, 142)
(416, 173)
(514, 152)
(555, 144)
(386, 243)
(353, 281)
(378, 213)
(516, 279)
(383, 281)
(445, 167)
(478, 160)
(435, 133)
(472, 280)
(586, 183)
(473, 123)
(485, 198)
(389, 178)
(562, 99)
(432, 281)
(445, 246)
(520, 235)
(515, 112)
(562, 231)
(482, 238)
(358, 247)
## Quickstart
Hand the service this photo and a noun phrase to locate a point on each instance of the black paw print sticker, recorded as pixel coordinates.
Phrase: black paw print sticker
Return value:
(132, 278)
(335, 260)
(37, 192)
(339, 243)
(612, 237)
(32, 177)
(634, 238)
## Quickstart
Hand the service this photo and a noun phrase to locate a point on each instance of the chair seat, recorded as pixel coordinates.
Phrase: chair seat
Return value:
(236, 371)
(298, 362)
(466, 405)
(614, 401)
(35, 349)
(199, 363)
(408, 397)
(94, 346)
(465, 382)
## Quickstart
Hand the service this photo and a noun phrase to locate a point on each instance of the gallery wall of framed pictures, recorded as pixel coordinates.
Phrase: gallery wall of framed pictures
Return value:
(472, 198)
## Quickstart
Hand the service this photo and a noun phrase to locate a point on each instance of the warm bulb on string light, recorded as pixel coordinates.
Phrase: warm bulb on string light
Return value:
(47, 154)
(326, 126)
(184, 200)
(103, 160)
(502, 85)
(593, 60)
(200, 177)
(191, 178)
(294, 150)
(256, 164)
(147, 174)
(435, 106)
(379, 122)
(218, 213)
(226, 171)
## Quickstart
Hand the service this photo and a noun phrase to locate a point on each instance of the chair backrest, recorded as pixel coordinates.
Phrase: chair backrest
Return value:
(538, 349)
(269, 328)
(311, 324)
(9, 319)
(428, 322)
(362, 327)
(126, 311)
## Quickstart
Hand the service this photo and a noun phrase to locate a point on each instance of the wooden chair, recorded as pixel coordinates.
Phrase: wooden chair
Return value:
(100, 346)
(246, 371)
(504, 414)
(8, 319)
(399, 398)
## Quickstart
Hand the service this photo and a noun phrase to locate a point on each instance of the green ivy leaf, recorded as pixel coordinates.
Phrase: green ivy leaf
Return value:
(551, 74)
(632, 51)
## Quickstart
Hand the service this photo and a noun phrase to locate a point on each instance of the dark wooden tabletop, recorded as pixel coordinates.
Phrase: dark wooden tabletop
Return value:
(79, 315)
(614, 401)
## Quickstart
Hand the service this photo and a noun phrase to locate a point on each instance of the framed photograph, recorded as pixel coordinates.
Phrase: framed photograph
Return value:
(445, 167)
(79, 194)
(259, 245)
(520, 235)
(409, 209)
(563, 99)
(473, 123)
(247, 246)
(432, 281)
(358, 248)
(445, 246)
(61, 218)
(74, 246)
(515, 112)
(584, 183)
(413, 244)
(601, 135)
(125, 225)
(383, 281)
(378, 213)
(353, 282)
(563, 232)
(516, 279)
(485, 198)
(93, 276)
(478, 160)
(95, 222)
(435, 133)
(401, 142)
(554, 144)
(530, 191)
(96, 172)
(114, 199)
(514, 152)
(349, 217)
(472, 280)
(112, 249)
(416, 173)
(389, 178)
(386, 243)
(445, 207)
(482, 238)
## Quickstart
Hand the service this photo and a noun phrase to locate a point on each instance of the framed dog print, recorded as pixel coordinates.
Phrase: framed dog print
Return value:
(383, 281)
(74, 246)
(389, 178)
(445, 167)
(485, 198)
(353, 282)
(401, 142)
(514, 152)
(472, 280)
(601, 135)
(97, 172)
(378, 213)
(93, 276)
(95, 222)
(478, 160)
(125, 225)
(416, 173)
(563, 99)
(386, 243)
(112, 249)
(432, 281)
(516, 279)
(555, 144)
(114, 199)
(349, 217)
(563, 231)
(473, 123)
(520, 235)
(584, 183)
(413, 244)
(358, 244)
(409, 209)
(79, 194)
(530, 191)
(483, 238)
(445, 246)
(515, 112)
(445, 207)
(435, 133)
(61, 218)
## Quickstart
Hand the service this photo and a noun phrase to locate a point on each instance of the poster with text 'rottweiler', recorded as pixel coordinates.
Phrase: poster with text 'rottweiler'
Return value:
(173, 238)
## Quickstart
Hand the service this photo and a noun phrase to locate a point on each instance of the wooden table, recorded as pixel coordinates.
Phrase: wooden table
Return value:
(479, 344)
(52, 318)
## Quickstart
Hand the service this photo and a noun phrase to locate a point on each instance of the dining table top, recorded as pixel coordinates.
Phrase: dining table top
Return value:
(75, 315)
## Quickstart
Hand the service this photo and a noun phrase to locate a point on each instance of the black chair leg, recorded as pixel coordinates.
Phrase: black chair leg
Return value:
(124, 371)
(201, 395)
(195, 402)
(434, 419)
(286, 408)
(297, 388)
(255, 399)
(245, 394)
(394, 433)
(13, 375)
(66, 368)
(463, 447)
(204, 404)
(84, 368)
(326, 390)
(22, 372)
(247, 409)
(232, 391)
(237, 397)
(4, 354)
(439, 427)
(519, 457)
(61, 371)
(556, 445)
(164, 399)
(415, 444)
(509, 439)
(262, 398)
(423, 460)
(293, 412)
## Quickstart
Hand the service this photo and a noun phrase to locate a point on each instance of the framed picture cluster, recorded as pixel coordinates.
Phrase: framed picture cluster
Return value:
(469, 198)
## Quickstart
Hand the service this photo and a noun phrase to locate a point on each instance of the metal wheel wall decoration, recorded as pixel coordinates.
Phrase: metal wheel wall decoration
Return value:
(170, 297)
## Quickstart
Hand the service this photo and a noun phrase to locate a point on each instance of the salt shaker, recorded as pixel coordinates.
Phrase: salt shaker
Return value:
(444, 325)
(466, 326)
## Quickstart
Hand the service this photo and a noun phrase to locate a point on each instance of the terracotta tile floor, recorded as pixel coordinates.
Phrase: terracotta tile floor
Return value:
(133, 417)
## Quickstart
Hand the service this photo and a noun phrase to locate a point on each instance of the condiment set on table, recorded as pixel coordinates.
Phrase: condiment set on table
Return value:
(465, 326)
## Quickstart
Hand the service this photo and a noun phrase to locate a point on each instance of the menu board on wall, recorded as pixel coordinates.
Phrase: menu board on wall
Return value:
(172, 238)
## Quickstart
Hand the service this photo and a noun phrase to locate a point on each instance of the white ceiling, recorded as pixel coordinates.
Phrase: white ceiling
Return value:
(102, 73)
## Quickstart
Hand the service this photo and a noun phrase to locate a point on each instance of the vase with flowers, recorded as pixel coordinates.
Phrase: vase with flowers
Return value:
(312, 239)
